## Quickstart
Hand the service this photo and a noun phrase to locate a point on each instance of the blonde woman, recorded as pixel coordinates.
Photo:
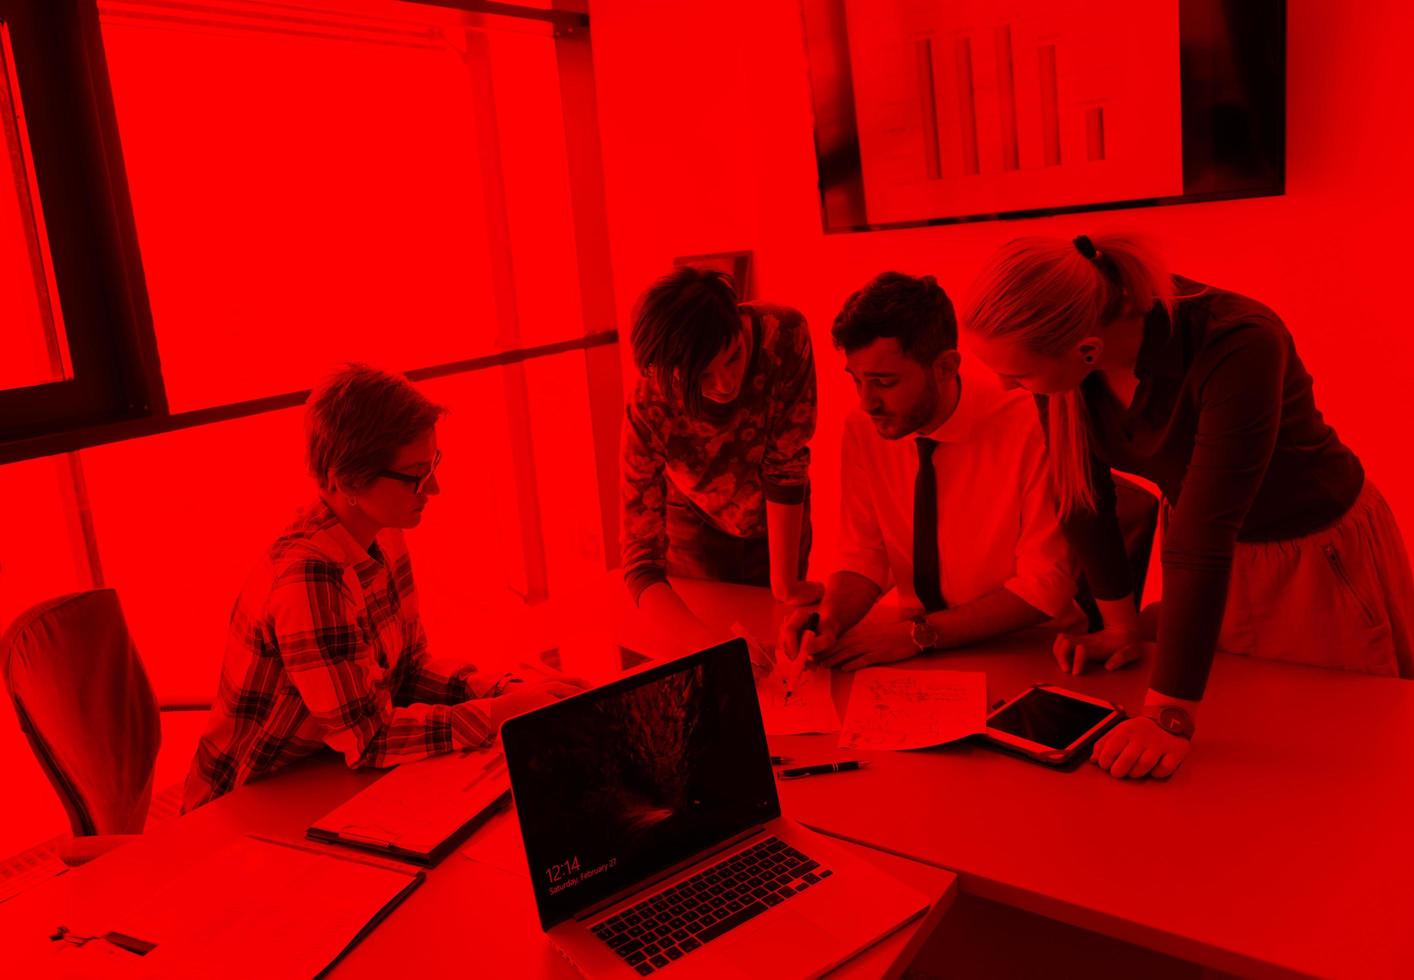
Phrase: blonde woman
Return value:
(1275, 544)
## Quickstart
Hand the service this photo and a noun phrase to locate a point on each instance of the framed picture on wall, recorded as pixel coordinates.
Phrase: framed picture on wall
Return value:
(946, 111)
(735, 264)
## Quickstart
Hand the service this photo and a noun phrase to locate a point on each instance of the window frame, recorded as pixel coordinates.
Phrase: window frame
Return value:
(91, 235)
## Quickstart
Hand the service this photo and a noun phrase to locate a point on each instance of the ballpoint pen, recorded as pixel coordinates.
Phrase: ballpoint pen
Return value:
(823, 769)
(811, 625)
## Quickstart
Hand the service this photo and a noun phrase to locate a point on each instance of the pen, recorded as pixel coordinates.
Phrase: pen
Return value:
(811, 625)
(780, 760)
(822, 770)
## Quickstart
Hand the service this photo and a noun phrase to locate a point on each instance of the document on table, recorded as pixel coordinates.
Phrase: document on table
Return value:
(255, 907)
(894, 708)
(811, 707)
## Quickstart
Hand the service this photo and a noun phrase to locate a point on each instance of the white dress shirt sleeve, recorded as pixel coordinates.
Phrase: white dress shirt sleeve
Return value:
(862, 549)
(1045, 571)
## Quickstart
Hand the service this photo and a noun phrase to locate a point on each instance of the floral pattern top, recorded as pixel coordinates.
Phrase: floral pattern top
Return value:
(727, 463)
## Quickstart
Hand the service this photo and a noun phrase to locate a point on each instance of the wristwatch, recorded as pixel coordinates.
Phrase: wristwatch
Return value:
(1171, 718)
(926, 637)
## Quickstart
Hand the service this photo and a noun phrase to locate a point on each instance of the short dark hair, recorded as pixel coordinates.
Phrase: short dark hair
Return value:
(916, 312)
(684, 320)
(357, 420)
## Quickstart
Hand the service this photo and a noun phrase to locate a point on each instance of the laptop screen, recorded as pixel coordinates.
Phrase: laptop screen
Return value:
(619, 783)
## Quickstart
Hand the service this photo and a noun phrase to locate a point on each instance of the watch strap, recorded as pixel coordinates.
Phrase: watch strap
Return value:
(1172, 719)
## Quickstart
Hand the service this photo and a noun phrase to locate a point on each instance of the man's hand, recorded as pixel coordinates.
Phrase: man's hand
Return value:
(801, 593)
(870, 645)
(1137, 748)
(1113, 646)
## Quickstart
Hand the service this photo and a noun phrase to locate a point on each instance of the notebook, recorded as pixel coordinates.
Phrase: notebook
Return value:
(254, 907)
(420, 811)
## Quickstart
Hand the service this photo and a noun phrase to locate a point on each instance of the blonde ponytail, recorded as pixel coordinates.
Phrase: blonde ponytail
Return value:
(1068, 452)
(1050, 293)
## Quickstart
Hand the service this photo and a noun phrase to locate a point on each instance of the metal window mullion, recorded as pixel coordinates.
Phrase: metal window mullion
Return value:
(517, 389)
(574, 60)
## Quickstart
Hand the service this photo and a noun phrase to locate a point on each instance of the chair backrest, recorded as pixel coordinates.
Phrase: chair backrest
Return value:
(85, 704)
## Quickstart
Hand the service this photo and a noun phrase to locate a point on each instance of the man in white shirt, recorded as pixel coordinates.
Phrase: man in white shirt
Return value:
(944, 494)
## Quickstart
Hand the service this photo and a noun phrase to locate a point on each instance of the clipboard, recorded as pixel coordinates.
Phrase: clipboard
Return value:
(421, 811)
(254, 906)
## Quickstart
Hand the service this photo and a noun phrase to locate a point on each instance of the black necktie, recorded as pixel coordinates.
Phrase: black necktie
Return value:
(927, 579)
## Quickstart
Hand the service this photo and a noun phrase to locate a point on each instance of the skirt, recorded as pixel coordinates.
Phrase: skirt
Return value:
(1341, 597)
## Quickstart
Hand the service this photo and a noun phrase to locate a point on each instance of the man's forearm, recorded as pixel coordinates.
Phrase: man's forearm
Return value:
(995, 614)
(848, 599)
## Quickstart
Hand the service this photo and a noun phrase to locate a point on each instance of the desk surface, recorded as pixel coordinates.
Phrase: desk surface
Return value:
(1283, 844)
(475, 909)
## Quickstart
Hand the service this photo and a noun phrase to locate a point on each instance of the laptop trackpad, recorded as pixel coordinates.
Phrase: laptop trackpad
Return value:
(781, 943)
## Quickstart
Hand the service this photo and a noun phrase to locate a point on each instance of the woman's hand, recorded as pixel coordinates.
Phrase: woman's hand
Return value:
(523, 697)
(1137, 748)
(1115, 646)
(533, 673)
(800, 593)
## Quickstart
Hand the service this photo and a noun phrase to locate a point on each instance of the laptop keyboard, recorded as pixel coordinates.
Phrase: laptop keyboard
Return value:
(678, 920)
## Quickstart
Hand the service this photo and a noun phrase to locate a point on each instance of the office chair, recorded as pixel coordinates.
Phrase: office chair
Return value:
(1138, 513)
(86, 707)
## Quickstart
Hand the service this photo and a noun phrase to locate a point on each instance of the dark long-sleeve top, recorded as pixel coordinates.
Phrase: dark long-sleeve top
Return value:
(727, 463)
(1225, 422)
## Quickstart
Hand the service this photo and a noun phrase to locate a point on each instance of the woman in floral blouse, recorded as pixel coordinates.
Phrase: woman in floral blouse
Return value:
(716, 456)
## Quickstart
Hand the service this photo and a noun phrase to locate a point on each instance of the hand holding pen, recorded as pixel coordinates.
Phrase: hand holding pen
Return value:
(802, 636)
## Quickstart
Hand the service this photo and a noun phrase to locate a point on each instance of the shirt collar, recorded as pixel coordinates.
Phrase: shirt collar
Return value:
(957, 427)
(336, 539)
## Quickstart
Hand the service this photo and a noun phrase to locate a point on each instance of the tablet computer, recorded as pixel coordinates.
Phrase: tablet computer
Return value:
(1049, 724)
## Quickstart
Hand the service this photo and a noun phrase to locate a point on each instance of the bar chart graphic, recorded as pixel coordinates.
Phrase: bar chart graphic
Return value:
(971, 107)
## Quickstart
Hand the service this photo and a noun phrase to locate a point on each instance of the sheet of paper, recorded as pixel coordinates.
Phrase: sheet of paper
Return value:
(811, 708)
(893, 708)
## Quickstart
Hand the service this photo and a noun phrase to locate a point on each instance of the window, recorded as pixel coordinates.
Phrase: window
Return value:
(35, 349)
(354, 180)
(77, 339)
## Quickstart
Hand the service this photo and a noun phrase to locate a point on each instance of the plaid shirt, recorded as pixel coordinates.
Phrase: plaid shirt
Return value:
(326, 647)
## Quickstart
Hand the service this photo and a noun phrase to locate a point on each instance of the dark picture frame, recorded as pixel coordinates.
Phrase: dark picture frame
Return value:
(1232, 66)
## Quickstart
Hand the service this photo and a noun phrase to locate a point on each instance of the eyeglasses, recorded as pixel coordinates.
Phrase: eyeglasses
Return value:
(418, 483)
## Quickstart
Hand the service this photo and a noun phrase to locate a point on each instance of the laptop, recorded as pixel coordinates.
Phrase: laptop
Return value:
(655, 842)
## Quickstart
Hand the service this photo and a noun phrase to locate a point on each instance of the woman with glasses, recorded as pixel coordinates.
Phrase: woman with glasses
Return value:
(325, 645)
